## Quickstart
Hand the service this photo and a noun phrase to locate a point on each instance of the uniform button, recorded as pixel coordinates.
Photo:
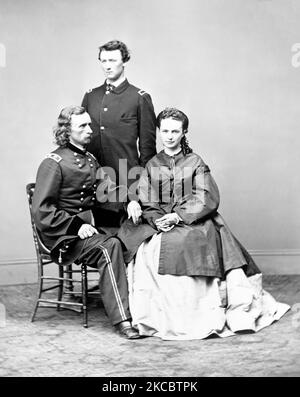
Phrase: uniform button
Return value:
(77, 160)
(91, 165)
(93, 198)
(89, 159)
(80, 209)
(79, 165)
(105, 109)
(75, 154)
(101, 128)
(84, 186)
(81, 193)
(106, 92)
(95, 185)
(81, 199)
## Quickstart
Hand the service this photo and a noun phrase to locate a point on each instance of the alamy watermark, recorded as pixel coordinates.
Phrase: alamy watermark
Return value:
(296, 56)
(155, 185)
(2, 56)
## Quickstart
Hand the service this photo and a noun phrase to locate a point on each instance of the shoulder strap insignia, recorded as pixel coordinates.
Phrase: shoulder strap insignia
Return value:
(54, 157)
(141, 92)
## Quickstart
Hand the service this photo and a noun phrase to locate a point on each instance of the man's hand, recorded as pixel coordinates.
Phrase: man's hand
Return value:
(86, 231)
(167, 222)
(134, 211)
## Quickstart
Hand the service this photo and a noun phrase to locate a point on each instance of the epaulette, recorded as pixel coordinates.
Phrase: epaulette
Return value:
(54, 157)
(141, 92)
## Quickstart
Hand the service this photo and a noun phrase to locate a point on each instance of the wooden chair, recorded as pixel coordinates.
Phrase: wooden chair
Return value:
(65, 279)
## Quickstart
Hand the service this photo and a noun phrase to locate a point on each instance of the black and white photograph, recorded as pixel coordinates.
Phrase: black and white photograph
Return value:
(150, 201)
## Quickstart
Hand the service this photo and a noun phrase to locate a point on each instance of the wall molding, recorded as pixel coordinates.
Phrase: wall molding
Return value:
(24, 270)
(18, 261)
(281, 252)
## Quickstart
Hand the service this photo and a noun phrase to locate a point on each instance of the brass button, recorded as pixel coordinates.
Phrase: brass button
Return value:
(105, 109)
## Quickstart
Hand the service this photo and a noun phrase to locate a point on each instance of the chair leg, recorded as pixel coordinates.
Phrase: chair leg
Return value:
(39, 289)
(84, 294)
(61, 286)
(69, 284)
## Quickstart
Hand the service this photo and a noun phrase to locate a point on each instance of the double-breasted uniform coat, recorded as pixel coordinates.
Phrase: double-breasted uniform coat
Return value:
(64, 199)
(123, 123)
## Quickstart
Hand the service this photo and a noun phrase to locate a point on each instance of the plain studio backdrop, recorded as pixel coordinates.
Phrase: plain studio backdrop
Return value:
(227, 64)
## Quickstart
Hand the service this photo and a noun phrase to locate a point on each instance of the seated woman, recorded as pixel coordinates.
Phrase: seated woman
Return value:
(189, 277)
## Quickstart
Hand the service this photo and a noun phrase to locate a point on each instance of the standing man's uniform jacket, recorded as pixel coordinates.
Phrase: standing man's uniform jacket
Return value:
(121, 116)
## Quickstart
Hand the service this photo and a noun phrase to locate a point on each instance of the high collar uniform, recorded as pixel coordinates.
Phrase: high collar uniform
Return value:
(123, 122)
(65, 192)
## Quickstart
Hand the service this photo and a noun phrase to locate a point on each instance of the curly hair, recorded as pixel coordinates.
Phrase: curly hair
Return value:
(62, 129)
(176, 114)
(116, 45)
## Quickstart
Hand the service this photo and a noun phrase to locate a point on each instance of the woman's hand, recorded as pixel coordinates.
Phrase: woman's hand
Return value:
(134, 211)
(167, 222)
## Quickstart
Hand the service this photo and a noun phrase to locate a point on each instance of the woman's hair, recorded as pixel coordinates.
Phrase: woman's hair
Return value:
(176, 114)
(116, 45)
(62, 129)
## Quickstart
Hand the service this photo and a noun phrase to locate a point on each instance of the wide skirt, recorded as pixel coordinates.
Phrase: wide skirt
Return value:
(182, 307)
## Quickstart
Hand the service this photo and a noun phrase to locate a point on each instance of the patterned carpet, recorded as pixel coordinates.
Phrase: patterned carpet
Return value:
(56, 344)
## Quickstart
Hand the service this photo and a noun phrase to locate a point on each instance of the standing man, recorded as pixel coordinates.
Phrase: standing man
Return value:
(123, 122)
(63, 204)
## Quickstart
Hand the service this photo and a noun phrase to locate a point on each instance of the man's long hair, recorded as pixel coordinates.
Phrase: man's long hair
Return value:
(62, 129)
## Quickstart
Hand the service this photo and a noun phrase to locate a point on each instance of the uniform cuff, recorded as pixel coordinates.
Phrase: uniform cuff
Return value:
(75, 225)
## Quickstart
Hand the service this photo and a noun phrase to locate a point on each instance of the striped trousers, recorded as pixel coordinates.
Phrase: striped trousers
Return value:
(105, 253)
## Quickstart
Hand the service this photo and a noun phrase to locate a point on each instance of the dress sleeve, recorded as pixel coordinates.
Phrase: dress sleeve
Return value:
(147, 129)
(202, 201)
(46, 214)
(149, 199)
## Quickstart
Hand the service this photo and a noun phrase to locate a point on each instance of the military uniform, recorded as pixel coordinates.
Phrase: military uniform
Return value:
(63, 200)
(121, 116)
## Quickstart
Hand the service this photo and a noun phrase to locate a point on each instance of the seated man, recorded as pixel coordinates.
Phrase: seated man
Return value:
(63, 201)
